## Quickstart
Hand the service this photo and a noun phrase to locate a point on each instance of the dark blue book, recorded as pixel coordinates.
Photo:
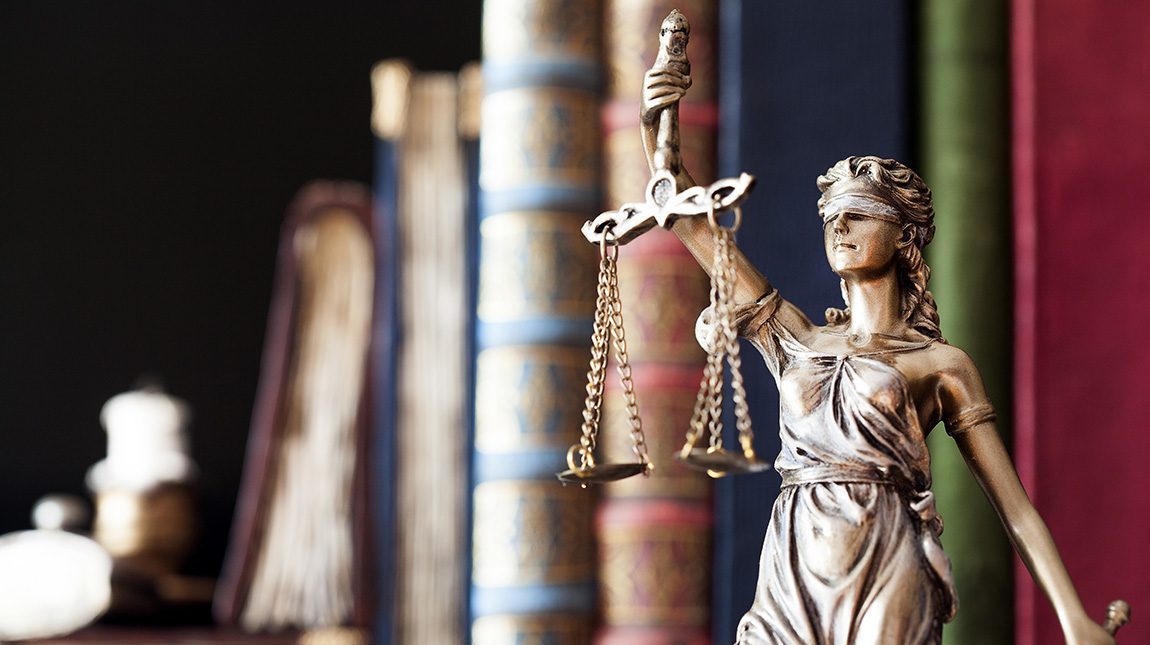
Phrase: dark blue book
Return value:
(803, 85)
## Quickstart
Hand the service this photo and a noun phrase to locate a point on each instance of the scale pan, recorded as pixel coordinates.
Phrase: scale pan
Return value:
(601, 473)
(719, 462)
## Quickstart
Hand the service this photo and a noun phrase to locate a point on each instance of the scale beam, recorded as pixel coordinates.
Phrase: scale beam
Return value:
(664, 206)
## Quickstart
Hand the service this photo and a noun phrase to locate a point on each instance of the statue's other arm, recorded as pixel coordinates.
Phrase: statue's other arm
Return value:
(963, 395)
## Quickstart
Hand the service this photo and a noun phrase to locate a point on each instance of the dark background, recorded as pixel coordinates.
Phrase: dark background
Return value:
(147, 153)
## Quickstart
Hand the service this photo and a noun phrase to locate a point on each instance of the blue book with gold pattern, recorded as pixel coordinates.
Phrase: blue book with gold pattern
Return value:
(533, 562)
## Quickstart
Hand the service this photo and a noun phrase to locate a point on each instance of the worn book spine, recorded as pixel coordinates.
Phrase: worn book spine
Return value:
(533, 552)
(1080, 123)
(312, 421)
(964, 127)
(655, 532)
(803, 86)
(430, 310)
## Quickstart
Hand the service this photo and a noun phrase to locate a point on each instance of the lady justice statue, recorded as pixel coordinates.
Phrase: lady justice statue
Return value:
(852, 552)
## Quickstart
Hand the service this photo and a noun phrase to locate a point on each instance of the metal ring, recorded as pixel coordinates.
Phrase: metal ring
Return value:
(603, 243)
(738, 219)
(713, 218)
(577, 449)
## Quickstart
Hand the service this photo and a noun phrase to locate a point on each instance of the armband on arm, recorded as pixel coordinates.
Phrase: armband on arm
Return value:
(969, 418)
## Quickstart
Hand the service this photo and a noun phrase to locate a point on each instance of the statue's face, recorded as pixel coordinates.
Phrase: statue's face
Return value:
(860, 245)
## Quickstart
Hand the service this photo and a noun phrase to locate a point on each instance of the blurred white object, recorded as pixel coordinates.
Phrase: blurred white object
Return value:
(147, 442)
(51, 583)
(145, 498)
(60, 512)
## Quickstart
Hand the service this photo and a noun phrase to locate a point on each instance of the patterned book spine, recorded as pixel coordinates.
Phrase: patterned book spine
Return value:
(655, 533)
(533, 568)
(791, 104)
(1080, 161)
(964, 159)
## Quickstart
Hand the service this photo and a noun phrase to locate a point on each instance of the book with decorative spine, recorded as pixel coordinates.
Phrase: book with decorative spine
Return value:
(419, 120)
(655, 532)
(533, 555)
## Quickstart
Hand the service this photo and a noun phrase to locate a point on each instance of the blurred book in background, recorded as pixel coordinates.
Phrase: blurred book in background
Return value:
(426, 130)
(654, 532)
(533, 571)
(964, 132)
(299, 551)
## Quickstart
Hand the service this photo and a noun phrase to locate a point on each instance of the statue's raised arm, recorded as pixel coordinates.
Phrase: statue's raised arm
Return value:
(852, 554)
(664, 86)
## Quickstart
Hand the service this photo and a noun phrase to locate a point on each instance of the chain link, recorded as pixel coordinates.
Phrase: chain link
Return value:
(734, 360)
(597, 373)
(707, 414)
(623, 364)
(608, 324)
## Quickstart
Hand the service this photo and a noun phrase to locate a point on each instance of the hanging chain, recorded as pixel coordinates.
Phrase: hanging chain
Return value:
(707, 415)
(597, 373)
(638, 439)
(734, 360)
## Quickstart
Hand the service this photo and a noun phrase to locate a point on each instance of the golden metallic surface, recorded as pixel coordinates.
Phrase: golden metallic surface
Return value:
(666, 412)
(626, 164)
(628, 25)
(718, 462)
(600, 473)
(1117, 615)
(859, 394)
(722, 349)
(608, 330)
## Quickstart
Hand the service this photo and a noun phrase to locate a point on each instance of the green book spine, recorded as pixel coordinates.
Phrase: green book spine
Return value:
(965, 159)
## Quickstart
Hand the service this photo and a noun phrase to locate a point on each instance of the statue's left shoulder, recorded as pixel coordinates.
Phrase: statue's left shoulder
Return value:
(959, 380)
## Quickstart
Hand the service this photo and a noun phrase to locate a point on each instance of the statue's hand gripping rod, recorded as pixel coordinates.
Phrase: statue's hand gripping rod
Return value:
(664, 205)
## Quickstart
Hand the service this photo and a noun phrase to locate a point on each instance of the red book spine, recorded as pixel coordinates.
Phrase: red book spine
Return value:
(655, 533)
(1081, 123)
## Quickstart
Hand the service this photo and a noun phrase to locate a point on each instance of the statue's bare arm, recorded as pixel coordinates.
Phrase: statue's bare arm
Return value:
(986, 456)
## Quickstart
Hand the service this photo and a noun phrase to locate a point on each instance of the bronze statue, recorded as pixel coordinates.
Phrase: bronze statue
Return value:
(852, 553)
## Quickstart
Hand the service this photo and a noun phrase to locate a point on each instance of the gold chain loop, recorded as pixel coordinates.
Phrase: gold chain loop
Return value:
(597, 372)
(638, 439)
(608, 323)
(708, 410)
